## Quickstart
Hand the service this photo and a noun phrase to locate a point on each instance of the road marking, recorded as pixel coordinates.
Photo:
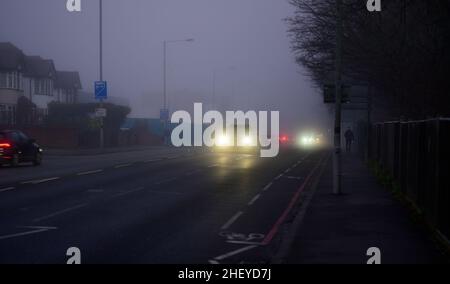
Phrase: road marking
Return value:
(279, 176)
(231, 253)
(291, 204)
(293, 177)
(152, 160)
(244, 243)
(122, 166)
(7, 189)
(267, 186)
(287, 170)
(40, 180)
(34, 230)
(127, 192)
(232, 220)
(213, 262)
(254, 199)
(59, 213)
(89, 172)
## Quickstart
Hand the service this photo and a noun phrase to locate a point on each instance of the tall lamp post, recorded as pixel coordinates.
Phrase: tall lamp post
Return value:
(166, 42)
(165, 111)
(102, 140)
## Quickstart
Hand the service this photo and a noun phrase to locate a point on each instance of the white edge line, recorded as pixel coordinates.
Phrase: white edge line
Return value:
(122, 166)
(38, 181)
(244, 243)
(232, 220)
(267, 186)
(90, 172)
(254, 199)
(213, 262)
(231, 253)
(35, 231)
(59, 212)
(7, 189)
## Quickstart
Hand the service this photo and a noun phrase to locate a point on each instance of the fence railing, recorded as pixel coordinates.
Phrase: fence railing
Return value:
(417, 156)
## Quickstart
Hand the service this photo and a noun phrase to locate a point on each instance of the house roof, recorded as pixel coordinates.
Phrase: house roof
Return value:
(11, 58)
(36, 66)
(67, 80)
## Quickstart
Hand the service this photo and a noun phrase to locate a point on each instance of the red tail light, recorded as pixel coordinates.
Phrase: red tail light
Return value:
(5, 145)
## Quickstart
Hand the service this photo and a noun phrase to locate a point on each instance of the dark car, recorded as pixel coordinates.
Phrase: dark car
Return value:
(16, 147)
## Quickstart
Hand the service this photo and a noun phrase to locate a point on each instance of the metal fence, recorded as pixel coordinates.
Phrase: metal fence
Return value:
(417, 156)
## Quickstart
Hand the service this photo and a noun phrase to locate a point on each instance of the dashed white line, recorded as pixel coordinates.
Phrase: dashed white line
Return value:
(279, 176)
(59, 212)
(152, 161)
(128, 192)
(34, 230)
(254, 199)
(40, 180)
(122, 166)
(213, 262)
(231, 253)
(89, 172)
(267, 186)
(7, 189)
(232, 220)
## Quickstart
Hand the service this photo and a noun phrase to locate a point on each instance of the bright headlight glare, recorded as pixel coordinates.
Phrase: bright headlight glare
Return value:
(247, 141)
(222, 141)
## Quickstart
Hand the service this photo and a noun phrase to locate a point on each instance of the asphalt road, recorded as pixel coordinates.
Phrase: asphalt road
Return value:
(173, 206)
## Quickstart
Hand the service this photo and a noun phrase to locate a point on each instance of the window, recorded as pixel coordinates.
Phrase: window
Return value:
(3, 80)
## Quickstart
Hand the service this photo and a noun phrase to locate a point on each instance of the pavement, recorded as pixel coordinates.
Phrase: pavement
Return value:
(340, 229)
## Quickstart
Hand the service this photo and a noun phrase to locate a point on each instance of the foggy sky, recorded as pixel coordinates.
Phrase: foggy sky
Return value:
(245, 41)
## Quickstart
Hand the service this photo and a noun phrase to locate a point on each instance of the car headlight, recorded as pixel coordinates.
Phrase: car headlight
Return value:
(247, 141)
(223, 141)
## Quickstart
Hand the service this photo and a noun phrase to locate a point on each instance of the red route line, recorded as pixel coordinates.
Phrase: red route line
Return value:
(291, 204)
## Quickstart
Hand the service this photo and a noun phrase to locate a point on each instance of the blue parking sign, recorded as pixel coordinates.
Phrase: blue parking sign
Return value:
(101, 90)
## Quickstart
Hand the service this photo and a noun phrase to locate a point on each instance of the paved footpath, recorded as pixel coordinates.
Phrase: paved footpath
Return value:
(340, 229)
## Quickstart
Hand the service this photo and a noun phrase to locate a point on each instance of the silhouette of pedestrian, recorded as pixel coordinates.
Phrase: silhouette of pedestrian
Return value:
(349, 137)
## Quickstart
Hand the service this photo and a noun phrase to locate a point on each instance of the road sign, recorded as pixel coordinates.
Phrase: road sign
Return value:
(100, 112)
(101, 90)
(329, 94)
(164, 114)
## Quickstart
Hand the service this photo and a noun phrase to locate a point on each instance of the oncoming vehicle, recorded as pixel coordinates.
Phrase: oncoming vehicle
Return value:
(16, 147)
(237, 143)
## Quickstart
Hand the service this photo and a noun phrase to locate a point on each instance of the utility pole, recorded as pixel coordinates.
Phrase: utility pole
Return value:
(338, 88)
(102, 140)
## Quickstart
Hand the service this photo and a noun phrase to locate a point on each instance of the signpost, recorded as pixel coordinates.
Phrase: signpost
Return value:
(101, 90)
(100, 112)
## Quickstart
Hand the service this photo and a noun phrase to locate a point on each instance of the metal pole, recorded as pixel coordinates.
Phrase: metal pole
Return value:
(165, 76)
(214, 90)
(338, 88)
(102, 141)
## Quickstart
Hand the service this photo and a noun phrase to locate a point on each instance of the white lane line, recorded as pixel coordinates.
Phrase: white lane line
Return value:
(7, 189)
(89, 172)
(244, 243)
(287, 170)
(232, 220)
(59, 212)
(127, 192)
(40, 180)
(231, 253)
(34, 230)
(122, 166)
(267, 186)
(152, 161)
(293, 177)
(279, 176)
(254, 199)
(213, 262)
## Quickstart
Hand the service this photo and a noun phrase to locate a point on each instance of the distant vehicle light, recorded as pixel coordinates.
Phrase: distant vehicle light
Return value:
(5, 145)
(284, 138)
(223, 141)
(247, 141)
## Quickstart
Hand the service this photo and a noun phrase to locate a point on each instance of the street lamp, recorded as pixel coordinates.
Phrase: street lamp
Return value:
(165, 66)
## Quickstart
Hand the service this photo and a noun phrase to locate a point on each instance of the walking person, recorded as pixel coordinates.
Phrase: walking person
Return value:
(349, 137)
